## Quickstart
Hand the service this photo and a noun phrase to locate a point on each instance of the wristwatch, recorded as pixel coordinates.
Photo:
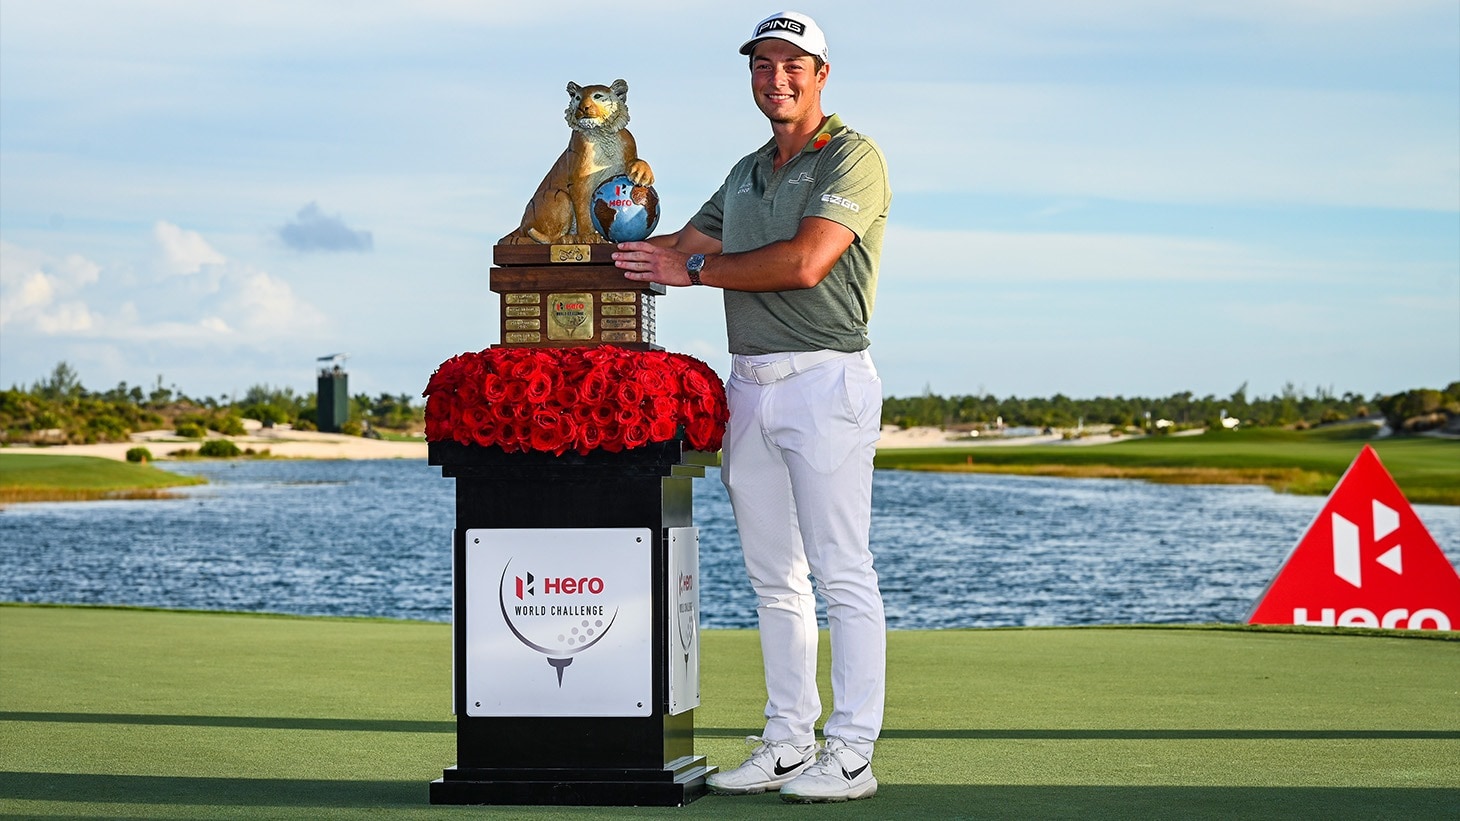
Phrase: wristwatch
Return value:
(692, 267)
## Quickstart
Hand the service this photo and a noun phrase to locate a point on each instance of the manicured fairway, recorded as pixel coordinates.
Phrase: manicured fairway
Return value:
(143, 714)
(41, 477)
(1426, 469)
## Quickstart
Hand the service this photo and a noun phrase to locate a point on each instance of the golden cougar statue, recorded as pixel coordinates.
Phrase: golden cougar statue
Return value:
(600, 148)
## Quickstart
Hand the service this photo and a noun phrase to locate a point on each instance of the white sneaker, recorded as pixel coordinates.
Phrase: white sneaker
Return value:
(839, 774)
(772, 764)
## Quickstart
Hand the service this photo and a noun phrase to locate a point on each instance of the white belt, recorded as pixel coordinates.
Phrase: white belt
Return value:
(766, 372)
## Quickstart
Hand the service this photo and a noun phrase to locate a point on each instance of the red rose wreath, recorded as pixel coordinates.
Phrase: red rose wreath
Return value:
(580, 398)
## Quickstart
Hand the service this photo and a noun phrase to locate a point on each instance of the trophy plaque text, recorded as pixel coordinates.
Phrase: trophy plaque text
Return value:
(557, 296)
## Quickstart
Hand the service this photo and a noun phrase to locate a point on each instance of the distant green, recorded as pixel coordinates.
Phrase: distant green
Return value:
(36, 477)
(117, 713)
(1426, 469)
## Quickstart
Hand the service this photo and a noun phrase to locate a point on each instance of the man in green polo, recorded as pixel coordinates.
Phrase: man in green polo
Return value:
(794, 238)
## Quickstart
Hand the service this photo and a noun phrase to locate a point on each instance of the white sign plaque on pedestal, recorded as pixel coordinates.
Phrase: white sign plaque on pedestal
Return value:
(684, 619)
(559, 622)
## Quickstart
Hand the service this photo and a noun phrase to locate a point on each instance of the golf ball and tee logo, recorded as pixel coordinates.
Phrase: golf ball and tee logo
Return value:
(683, 650)
(559, 622)
(577, 626)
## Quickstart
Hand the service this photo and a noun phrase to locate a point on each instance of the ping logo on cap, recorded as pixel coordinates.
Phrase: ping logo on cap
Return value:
(781, 24)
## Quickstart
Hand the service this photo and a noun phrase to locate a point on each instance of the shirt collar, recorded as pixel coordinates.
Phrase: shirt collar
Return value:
(817, 142)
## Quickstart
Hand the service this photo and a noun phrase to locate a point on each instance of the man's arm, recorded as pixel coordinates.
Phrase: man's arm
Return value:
(802, 261)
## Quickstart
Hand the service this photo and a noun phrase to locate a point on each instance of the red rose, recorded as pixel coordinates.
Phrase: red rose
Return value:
(635, 435)
(544, 430)
(493, 388)
(486, 434)
(630, 394)
(662, 429)
(704, 434)
(590, 437)
(516, 392)
(539, 388)
(655, 381)
(594, 387)
(664, 407)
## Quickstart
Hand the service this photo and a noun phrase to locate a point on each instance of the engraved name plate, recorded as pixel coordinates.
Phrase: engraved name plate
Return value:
(570, 316)
(569, 253)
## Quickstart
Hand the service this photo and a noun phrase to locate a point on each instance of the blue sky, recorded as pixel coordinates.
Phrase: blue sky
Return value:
(1128, 197)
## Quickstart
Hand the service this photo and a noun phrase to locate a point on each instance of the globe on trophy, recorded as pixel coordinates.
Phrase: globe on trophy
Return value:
(623, 211)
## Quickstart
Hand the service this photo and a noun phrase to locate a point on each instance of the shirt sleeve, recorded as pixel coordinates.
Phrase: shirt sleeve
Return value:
(852, 187)
(710, 220)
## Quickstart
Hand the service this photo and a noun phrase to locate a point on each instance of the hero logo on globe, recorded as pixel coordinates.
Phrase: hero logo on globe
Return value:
(1366, 561)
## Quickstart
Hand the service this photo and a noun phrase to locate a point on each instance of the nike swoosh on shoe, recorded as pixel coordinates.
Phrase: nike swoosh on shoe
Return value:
(854, 773)
(780, 771)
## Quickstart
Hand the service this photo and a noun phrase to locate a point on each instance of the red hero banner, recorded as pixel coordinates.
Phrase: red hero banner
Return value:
(1366, 561)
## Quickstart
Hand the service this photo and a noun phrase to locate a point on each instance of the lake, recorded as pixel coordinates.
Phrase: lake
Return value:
(373, 538)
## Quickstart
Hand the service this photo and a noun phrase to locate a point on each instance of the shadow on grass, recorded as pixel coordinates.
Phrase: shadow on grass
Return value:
(922, 801)
(1120, 734)
(239, 792)
(354, 725)
(367, 725)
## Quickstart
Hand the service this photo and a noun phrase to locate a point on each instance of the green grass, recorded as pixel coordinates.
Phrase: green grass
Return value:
(113, 713)
(34, 477)
(1310, 462)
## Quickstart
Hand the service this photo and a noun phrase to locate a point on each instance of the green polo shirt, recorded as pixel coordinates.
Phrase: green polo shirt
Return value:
(840, 175)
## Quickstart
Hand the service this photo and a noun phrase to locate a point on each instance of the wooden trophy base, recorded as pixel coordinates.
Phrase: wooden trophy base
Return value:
(558, 296)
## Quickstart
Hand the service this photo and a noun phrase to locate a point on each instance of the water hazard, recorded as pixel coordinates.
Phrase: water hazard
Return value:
(372, 538)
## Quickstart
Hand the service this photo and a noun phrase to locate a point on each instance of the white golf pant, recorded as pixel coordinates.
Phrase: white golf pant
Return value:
(797, 463)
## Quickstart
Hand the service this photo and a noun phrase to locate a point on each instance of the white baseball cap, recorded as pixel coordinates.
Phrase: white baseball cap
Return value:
(795, 28)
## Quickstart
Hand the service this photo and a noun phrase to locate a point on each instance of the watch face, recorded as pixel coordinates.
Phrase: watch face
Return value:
(695, 262)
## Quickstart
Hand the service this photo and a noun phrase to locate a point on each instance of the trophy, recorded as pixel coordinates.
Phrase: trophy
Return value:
(557, 280)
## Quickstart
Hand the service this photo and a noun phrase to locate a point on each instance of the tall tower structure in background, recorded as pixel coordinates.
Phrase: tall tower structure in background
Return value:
(332, 403)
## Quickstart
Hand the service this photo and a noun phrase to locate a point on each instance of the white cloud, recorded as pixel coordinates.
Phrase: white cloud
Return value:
(37, 290)
(184, 252)
(256, 303)
(233, 304)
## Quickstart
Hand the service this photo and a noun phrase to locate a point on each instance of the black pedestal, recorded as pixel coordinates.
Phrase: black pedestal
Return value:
(546, 759)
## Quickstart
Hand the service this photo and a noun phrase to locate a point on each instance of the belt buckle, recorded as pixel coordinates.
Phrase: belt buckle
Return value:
(767, 372)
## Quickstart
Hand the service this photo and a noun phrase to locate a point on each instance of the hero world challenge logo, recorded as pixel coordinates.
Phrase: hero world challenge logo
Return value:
(1366, 561)
(1348, 565)
(558, 616)
(687, 619)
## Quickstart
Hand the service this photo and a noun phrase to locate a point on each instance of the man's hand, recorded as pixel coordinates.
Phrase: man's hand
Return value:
(647, 262)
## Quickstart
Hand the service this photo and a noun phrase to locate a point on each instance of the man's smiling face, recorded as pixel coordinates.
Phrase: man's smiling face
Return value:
(786, 82)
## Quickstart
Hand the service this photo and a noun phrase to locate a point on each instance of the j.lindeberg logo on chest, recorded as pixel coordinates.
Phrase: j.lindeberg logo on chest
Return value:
(803, 177)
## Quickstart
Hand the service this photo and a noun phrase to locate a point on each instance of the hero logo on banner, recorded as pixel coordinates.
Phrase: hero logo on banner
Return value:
(1366, 561)
(558, 622)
